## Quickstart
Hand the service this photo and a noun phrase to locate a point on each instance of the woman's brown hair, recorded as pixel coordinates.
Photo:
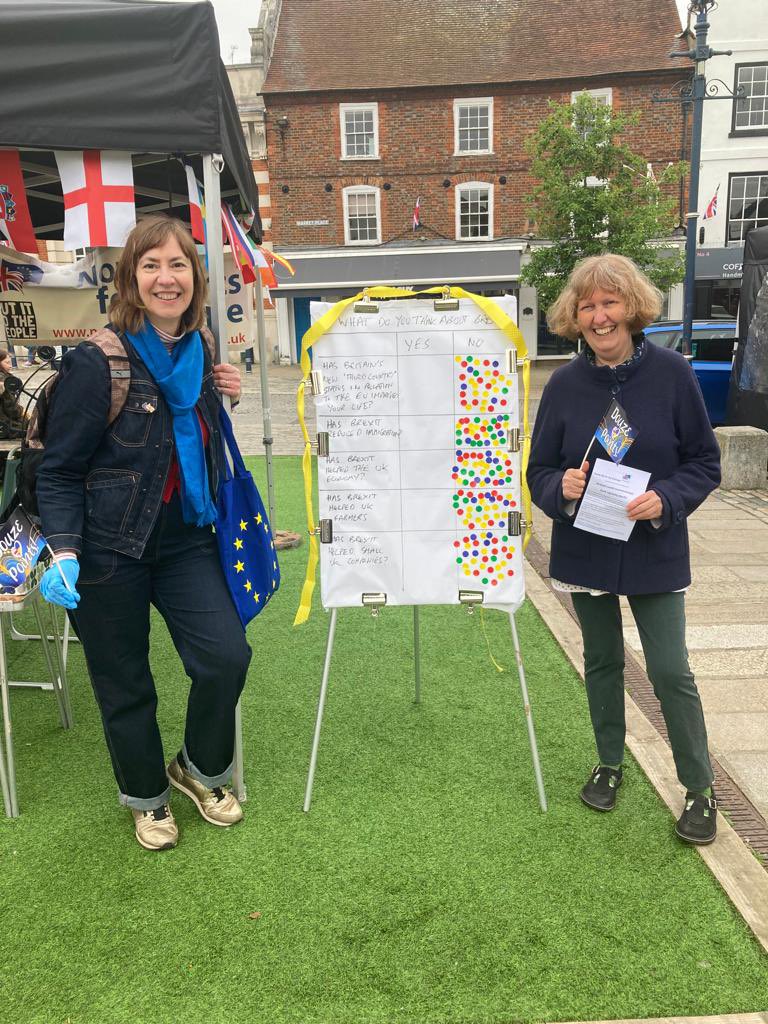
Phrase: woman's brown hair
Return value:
(612, 273)
(151, 232)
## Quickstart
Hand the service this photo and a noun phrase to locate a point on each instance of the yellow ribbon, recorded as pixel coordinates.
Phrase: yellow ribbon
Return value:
(496, 315)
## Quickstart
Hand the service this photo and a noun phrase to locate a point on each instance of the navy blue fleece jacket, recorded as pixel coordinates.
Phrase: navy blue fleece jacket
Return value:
(675, 443)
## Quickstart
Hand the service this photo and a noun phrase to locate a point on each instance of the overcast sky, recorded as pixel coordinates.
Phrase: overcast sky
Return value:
(235, 17)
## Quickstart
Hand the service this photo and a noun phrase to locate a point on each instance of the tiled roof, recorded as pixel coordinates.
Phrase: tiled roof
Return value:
(377, 44)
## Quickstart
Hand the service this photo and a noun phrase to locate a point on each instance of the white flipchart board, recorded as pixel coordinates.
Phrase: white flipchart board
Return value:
(420, 477)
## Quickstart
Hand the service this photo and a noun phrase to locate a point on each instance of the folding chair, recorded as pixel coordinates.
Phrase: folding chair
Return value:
(58, 683)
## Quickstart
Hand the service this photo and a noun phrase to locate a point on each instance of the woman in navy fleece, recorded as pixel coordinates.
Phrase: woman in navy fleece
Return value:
(607, 302)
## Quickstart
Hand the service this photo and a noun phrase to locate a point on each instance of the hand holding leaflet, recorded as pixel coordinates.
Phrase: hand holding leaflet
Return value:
(603, 508)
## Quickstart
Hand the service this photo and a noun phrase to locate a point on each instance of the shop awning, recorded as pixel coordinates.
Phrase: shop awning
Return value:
(340, 271)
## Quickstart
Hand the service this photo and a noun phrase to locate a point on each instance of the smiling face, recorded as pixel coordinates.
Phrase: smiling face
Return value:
(166, 284)
(604, 324)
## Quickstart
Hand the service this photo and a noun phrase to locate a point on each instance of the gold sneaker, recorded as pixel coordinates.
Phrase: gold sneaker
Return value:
(218, 805)
(156, 830)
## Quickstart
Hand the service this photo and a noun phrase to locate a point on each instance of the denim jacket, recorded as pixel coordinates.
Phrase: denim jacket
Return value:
(103, 485)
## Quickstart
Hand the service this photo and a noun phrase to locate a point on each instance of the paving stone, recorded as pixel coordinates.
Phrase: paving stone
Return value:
(750, 541)
(751, 770)
(738, 664)
(700, 613)
(738, 731)
(725, 694)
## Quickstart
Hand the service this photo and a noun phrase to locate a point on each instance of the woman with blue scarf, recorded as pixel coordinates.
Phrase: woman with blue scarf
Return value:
(127, 506)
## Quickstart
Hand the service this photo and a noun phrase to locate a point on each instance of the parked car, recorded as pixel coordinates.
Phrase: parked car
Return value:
(712, 346)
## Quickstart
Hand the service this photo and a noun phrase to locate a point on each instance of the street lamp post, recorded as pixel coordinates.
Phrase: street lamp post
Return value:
(698, 93)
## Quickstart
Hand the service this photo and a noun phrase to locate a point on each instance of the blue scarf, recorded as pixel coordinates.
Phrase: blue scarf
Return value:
(179, 377)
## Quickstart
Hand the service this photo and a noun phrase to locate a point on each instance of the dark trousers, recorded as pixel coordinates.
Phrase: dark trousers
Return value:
(660, 620)
(180, 574)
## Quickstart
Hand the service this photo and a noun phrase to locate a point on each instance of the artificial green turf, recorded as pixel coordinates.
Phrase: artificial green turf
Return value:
(424, 886)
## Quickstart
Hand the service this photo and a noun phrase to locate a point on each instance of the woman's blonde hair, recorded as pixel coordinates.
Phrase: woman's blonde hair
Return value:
(612, 273)
(127, 313)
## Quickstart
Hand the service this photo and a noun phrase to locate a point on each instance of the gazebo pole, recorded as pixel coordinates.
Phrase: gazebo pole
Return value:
(213, 165)
(266, 409)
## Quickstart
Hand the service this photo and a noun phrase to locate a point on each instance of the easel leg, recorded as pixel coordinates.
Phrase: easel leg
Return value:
(238, 779)
(528, 715)
(5, 697)
(320, 709)
(416, 655)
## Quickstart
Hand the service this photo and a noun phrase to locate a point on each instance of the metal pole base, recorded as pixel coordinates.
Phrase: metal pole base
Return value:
(528, 715)
(238, 779)
(416, 655)
(320, 710)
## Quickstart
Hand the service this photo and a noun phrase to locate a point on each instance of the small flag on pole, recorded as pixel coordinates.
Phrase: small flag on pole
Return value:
(15, 222)
(99, 202)
(273, 257)
(196, 221)
(21, 544)
(416, 214)
(711, 210)
(241, 251)
(614, 432)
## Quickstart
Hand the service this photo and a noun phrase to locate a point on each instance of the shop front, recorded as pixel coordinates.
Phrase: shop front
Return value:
(718, 283)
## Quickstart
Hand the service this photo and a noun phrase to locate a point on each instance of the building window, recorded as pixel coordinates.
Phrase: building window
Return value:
(602, 95)
(747, 205)
(474, 210)
(473, 125)
(750, 111)
(362, 215)
(359, 131)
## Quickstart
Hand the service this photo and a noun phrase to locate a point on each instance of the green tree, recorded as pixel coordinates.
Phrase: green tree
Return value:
(594, 195)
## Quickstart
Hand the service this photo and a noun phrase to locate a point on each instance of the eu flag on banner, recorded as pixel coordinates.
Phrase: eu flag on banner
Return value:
(21, 544)
(614, 432)
(13, 276)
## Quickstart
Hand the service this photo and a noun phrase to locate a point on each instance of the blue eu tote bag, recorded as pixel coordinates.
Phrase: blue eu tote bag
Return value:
(243, 534)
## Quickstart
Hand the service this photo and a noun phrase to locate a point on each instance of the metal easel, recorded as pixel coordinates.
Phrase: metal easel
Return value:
(377, 601)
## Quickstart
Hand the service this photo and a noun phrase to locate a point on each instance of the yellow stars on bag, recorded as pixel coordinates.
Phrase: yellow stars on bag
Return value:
(238, 566)
(238, 543)
(243, 525)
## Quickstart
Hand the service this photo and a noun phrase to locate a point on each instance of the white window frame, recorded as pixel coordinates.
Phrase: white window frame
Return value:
(361, 190)
(466, 186)
(465, 101)
(748, 129)
(606, 95)
(345, 108)
(761, 176)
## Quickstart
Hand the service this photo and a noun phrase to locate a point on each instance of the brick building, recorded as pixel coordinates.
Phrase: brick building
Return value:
(372, 106)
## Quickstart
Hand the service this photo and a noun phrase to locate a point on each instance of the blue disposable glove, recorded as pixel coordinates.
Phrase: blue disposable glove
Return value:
(52, 586)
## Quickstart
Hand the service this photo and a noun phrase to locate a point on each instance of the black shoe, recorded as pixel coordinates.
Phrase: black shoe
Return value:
(698, 822)
(600, 792)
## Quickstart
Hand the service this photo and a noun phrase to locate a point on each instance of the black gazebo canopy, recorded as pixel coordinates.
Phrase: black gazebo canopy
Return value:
(139, 76)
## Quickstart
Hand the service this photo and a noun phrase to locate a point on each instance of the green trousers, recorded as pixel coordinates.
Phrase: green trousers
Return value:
(660, 620)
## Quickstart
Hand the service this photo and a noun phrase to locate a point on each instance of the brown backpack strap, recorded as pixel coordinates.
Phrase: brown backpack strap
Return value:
(111, 345)
(210, 343)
